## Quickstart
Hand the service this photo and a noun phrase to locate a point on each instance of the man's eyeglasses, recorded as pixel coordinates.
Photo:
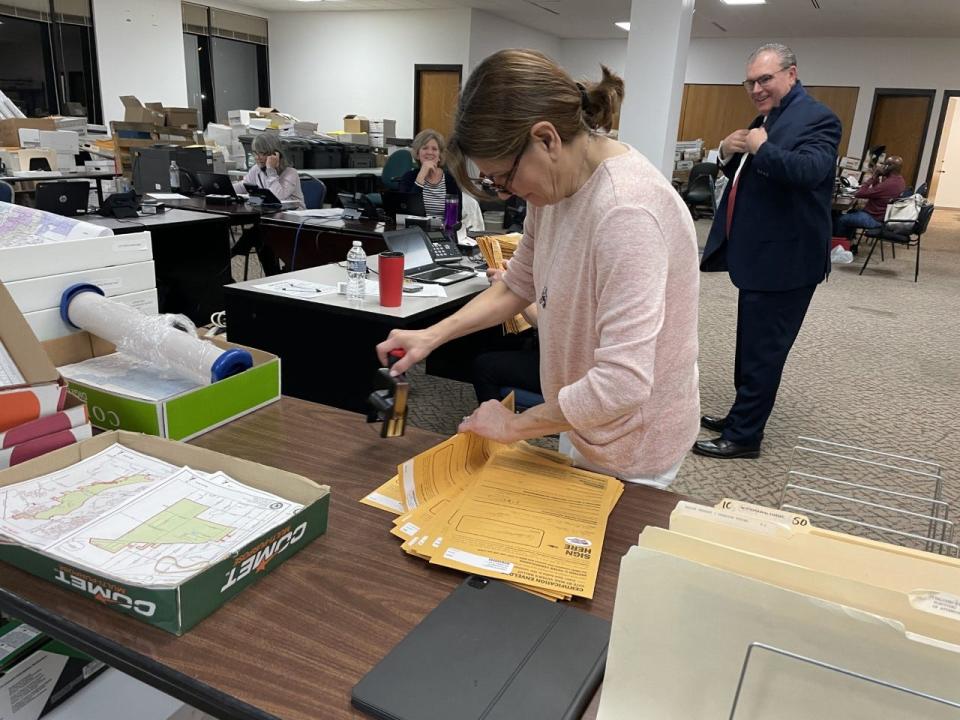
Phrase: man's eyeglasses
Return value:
(762, 81)
(487, 186)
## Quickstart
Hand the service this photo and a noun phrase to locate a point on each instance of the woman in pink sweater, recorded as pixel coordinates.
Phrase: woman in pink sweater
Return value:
(609, 255)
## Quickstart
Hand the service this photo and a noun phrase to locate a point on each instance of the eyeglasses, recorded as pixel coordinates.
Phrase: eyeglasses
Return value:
(487, 186)
(762, 81)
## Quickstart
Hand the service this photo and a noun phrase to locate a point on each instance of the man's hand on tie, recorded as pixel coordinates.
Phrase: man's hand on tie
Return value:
(735, 142)
(755, 138)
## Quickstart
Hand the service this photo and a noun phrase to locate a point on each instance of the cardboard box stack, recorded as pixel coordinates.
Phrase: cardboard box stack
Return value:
(687, 154)
(381, 131)
(36, 414)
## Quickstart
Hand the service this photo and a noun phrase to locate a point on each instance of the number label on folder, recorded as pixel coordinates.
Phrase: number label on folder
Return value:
(936, 603)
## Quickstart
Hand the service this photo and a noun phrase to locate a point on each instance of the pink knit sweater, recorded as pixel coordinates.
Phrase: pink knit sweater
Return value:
(614, 272)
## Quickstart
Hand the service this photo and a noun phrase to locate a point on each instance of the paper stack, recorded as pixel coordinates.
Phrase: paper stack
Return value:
(745, 612)
(497, 249)
(512, 512)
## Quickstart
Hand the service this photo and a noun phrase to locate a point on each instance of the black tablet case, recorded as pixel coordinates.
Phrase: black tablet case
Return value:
(490, 652)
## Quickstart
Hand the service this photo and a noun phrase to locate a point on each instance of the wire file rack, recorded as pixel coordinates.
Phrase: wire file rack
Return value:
(879, 495)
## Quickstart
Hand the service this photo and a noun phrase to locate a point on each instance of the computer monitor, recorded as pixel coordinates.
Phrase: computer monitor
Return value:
(400, 203)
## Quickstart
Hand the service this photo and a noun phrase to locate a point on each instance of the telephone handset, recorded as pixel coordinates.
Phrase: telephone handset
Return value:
(443, 246)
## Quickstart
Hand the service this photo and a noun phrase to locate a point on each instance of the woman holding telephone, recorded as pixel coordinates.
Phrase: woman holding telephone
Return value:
(271, 171)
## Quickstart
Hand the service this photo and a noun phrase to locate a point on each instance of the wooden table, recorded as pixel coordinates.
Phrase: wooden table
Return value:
(293, 645)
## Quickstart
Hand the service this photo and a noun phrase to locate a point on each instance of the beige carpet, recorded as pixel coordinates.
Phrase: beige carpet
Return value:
(875, 365)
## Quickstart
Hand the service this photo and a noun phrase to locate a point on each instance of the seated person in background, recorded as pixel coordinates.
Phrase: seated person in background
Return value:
(515, 360)
(884, 184)
(270, 171)
(429, 179)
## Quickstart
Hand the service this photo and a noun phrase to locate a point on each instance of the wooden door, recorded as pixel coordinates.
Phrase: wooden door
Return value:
(712, 112)
(436, 90)
(945, 185)
(843, 101)
(899, 122)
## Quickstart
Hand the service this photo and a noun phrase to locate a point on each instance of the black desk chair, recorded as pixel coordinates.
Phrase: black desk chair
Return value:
(889, 232)
(700, 194)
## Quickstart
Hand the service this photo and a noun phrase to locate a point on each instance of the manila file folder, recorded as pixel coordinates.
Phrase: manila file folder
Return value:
(681, 631)
(490, 651)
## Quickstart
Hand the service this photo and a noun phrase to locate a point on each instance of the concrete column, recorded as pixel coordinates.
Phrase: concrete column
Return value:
(656, 66)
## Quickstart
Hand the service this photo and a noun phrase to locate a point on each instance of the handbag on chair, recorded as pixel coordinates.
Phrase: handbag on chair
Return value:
(903, 213)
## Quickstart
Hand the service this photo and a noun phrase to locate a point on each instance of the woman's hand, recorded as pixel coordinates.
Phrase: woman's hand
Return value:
(273, 160)
(428, 168)
(416, 344)
(496, 274)
(491, 420)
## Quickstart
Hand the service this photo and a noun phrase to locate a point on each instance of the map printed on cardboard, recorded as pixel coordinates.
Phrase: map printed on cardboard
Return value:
(21, 225)
(40, 512)
(175, 529)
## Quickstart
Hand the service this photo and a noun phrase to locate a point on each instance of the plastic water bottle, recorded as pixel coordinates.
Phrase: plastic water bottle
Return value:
(174, 176)
(356, 272)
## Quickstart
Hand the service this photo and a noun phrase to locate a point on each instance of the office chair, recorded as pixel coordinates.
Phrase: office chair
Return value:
(699, 193)
(314, 191)
(705, 168)
(399, 163)
(6, 192)
(911, 237)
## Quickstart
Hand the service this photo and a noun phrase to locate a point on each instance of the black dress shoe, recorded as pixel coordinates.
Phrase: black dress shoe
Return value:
(711, 422)
(720, 448)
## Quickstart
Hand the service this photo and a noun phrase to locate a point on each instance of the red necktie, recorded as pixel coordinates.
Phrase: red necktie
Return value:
(731, 201)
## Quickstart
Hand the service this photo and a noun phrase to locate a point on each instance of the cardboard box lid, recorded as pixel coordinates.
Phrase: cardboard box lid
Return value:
(22, 344)
(10, 127)
(131, 101)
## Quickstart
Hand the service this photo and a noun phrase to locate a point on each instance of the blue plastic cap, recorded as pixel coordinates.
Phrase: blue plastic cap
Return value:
(69, 294)
(230, 363)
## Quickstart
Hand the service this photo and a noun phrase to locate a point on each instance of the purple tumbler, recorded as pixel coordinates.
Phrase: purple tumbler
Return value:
(451, 211)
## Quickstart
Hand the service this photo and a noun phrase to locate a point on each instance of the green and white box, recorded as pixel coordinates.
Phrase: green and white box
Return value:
(180, 417)
(177, 608)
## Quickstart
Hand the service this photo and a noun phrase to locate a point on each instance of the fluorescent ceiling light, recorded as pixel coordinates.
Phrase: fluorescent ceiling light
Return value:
(625, 25)
(744, 2)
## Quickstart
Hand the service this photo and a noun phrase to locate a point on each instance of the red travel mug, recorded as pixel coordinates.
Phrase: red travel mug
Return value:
(391, 278)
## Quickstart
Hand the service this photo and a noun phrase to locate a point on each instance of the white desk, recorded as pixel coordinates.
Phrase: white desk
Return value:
(326, 343)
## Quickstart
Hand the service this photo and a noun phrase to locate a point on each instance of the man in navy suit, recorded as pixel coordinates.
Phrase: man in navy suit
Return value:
(771, 232)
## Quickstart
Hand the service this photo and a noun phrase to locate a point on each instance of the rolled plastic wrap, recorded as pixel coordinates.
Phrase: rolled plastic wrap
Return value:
(167, 341)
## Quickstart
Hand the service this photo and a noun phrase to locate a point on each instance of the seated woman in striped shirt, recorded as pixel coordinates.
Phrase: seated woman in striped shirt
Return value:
(429, 179)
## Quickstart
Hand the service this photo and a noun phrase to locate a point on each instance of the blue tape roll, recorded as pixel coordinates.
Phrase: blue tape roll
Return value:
(230, 363)
(69, 294)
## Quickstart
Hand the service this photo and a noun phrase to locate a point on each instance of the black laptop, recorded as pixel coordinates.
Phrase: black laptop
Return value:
(400, 203)
(66, 197)
(216, 184)
(490, 652)
(418, 262)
